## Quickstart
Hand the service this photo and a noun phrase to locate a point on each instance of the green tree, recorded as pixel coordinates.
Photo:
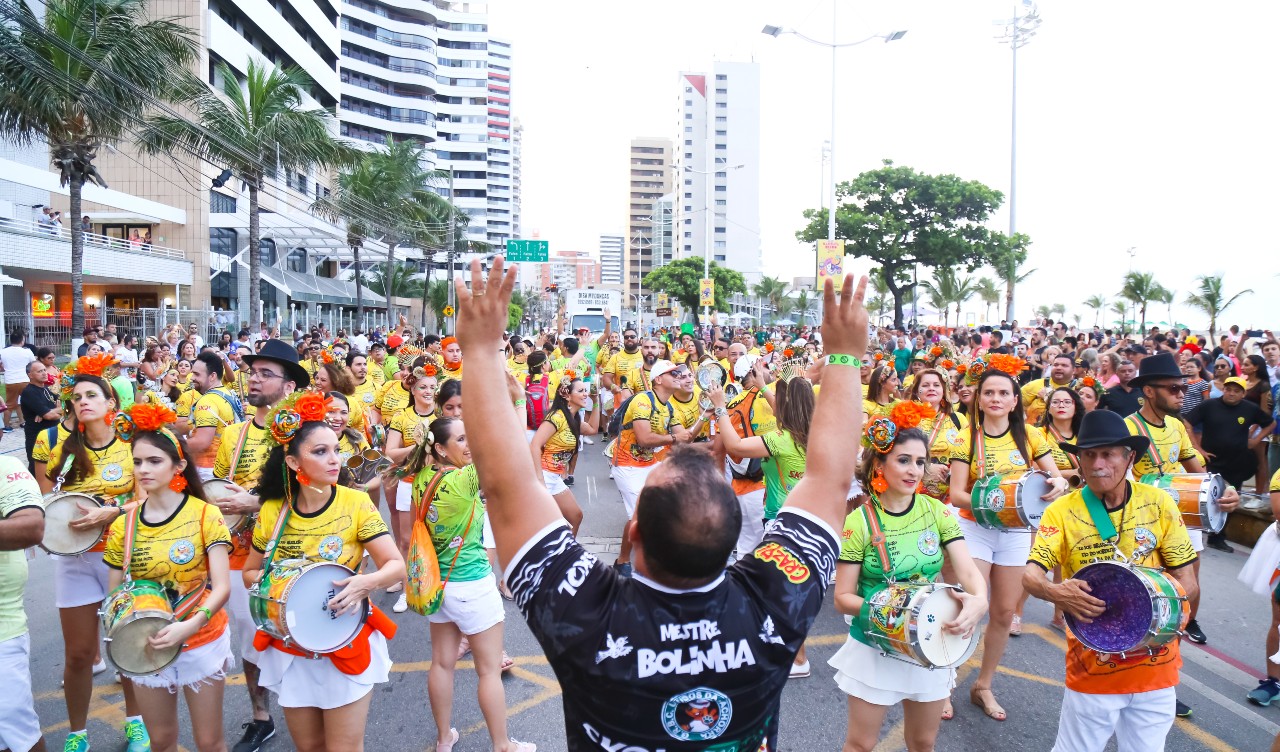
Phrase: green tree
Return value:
(255, 128)
(1140, 288)
(78, 78)
(1096, 303)
(403, 282)
(1212, 301)
(1058, 310)
(802, 305)
(1007, 263)
(773, 290)
(947, 289)
(1121, 309)
(989, 293)
(680, 279)
(515, 314)
(1165, 296)
(357, 188)
(899, 218)
(1043, 312)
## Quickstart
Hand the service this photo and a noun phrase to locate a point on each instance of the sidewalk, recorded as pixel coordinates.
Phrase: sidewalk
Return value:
(13, 443)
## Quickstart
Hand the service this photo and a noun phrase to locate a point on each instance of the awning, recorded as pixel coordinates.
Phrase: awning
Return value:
(306, 288)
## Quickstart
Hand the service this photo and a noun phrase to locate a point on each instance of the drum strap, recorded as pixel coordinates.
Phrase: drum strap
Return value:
(187, 603)
(1145, 430)
(239, 450)
(980, 452)
(1098, 513)
(1071, 458)
(62, 474)
(269, 558)
(877, 538)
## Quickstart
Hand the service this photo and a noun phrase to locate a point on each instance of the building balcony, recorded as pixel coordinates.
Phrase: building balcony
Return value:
(25, 246)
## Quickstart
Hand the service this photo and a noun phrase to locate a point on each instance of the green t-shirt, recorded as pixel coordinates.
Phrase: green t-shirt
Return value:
(391, 366)
(457, 501)
(590, 352)
(783, 469)
(20, 491)
(914, 540)
(124, 391)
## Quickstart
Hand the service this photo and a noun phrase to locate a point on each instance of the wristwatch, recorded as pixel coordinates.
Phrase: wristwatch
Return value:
(721, 412)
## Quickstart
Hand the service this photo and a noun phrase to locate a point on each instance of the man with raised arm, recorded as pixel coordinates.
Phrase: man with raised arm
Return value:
(687, 654)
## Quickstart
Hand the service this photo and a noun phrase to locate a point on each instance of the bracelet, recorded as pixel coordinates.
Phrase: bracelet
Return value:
(840, 359)
(519, 403)
(208, 615)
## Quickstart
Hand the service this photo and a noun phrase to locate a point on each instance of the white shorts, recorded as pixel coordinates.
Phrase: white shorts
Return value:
(315, 683)
(554, 481)
(79, 580)
(528, 435)
(862, 672)
(241, 621)
(1197, 540)
(752, 531)
(194, 668)
(1139, 721)
(404, 496)
(630, 481)
(1003, 549)
(19, 724)
(473, 606)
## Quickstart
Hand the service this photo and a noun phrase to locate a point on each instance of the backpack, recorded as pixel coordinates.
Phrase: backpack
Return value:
(233, 401)
(535, 402)
(615, 422)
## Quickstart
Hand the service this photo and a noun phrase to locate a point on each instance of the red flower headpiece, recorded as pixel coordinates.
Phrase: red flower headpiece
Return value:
(93, 365)
(1010, 364)
(313, 406)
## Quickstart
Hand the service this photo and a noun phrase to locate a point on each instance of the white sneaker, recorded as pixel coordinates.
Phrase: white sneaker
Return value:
(396, 587)
(587, 440)
(100, 666)
(799, 670)
(402, 604)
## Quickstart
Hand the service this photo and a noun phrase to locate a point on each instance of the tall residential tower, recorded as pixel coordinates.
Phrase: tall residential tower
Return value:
(651, 176)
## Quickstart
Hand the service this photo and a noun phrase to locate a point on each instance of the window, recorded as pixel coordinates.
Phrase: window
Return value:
(688, 90)
(688, 155)
(721, 77)
(688, 221)
(722, 105)
(688, 247)
(720, 188)
(688, 129)
(720, 257)
(722, 133)
(688, 181)
(688, 207)
(721, 119)
(724, 92)
(722, 146)
(688, 142)
(688, 234)
(720, 202)
(296, 261)
(688, 103)
(688, 195)
(688, 116)
(719, 230)
(220, 203)
(722, 174)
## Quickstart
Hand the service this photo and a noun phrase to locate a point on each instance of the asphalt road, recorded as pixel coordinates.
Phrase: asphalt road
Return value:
(1215, 678)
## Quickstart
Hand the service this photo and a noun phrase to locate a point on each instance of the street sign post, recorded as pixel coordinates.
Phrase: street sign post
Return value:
(528, 250)
(661, 312)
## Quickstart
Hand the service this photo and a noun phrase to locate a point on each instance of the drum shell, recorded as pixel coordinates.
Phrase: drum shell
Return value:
(1196, 496)
(894, 624)
(1007, 502)
(133, 612)
(59, 539)
(268, 604)
(217, 488)
(1128, 625)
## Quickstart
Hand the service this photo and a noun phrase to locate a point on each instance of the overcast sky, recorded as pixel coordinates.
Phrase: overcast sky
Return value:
(1144, 126)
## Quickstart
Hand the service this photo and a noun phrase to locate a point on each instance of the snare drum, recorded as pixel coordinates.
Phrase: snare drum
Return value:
(1010, 502)
(1196, 495)
(291, 604)
(217, 488)
(905, 621)
(1146, 608)
(132, 614)
(60, 539)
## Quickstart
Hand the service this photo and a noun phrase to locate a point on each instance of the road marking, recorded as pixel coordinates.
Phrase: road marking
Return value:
(1231, 669)
(1204, 737)
(1212, 694)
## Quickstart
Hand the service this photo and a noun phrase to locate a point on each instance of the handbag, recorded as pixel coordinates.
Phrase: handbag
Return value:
(425, 589)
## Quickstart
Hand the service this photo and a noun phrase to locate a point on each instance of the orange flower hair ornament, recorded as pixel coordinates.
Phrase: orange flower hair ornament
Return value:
(425, 370)
(947, 365)
(570, 374)
(787, 353)
(935, 351)
(768, 347)
(93, 365)
(882, 432)
(287, 417)
(1010, 364)
(408, 351)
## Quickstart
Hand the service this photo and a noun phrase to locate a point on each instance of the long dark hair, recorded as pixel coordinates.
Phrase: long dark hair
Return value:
(275, 472)
(561, 403)
(1077, 418)
(195, 486)
(795, 409)
(1017, 418)
(871, 458)
(82, 465)
(1259, 368)
(424, 454)
(876, 382)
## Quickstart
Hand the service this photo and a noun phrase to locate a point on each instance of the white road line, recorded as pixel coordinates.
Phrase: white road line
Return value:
(1218, 666)
(1201, 688)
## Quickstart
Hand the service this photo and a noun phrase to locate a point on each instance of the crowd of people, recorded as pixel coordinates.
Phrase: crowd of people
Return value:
(756, 469)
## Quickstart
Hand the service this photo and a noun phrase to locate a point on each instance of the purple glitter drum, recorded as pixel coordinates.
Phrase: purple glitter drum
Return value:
(1145, 608)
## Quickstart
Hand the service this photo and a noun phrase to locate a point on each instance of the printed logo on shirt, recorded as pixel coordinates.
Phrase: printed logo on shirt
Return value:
(1015, 458)
(433, 514)
(719, 657)
(182, 552)
(613, 649)
(767, 635)
(368, 397)
(1145, 542)
(786, 562)
(608, 743)
(330, 548)
(928, 542)
(577, 574)
(953, 437)
(1240, 420)
(1047, 531)
(112, 473)
(697, 715)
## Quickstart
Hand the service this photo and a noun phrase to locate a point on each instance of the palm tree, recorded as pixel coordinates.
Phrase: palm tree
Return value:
(1166, 296)
(990, 294)
(802, 305)
(1122, 310)
(403, 282)
(1097, 303)
(1043, 312)
(1210, 299)
(947, 289)
(357, 189)
(1058, 310)
(1007, 272)
(1141, 288)
(255, 128)
(773, 290)
(78, 79)
(438, 296)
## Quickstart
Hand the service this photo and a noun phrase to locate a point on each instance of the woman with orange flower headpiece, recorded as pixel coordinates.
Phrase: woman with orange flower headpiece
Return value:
(89, 460)
(998, 442)
(405, 433)
(931, 387)
(882, 392)
(177, 540)
(899, 536)
(555, 444)
(306, 515)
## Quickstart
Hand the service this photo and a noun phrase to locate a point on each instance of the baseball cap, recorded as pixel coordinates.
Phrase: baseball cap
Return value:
(1237, 380)
(1082, 363)
(395, 340)
(744, 365)
(661, 368)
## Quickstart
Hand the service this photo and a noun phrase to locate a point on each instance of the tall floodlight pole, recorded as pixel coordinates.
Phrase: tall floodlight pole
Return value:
(1018, 32)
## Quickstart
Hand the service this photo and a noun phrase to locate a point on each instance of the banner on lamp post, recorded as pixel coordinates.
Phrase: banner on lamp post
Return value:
(707, 293)
(831, 262)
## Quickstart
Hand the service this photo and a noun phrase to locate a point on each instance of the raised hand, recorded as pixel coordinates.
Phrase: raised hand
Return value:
(482, 310)
(844, 324)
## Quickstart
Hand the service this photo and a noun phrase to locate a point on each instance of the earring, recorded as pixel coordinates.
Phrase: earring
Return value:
(303, 479)
(878, 483)
(108, 418)
(178, 483)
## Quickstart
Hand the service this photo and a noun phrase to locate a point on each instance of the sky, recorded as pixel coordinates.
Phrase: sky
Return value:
(1139, 126)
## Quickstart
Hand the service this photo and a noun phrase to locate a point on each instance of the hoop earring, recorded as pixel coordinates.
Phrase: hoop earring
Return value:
(878, 482)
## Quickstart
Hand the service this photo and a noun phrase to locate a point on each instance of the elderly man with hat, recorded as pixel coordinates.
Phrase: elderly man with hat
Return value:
(271, 375)
(1131, 697)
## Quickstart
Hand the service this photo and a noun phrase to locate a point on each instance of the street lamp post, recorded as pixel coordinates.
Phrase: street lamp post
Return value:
(1017, 33)
(709, 218)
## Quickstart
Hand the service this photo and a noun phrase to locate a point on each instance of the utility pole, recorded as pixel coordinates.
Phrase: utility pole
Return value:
(452, 243)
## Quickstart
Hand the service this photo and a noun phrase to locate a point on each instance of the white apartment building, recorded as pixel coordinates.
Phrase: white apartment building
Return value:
(611, 253)
(719, 142)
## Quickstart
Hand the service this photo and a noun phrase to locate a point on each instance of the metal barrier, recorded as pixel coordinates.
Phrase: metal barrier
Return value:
(55, 331)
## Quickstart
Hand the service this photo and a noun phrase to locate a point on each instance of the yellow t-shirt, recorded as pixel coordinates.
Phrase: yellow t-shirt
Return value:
(411, 426)
(173, 554)
(186, 402)
(628, 453)
(559, 449)
(937, 480)
(686, 413)
(213, 411)
(1063, 460)
(875, 410)
(1152, 534)
(446, 373)
(336, 533)
(1031, 402)
(40, 453)
(112, 478)
(310, 366)
(257, 445)
(391, 399)
(184, 384)
(1001, 456)
(348, 449)
(623, 362)
(750, 415)
(1275, 483)
(638, 379)
(1169, 441)
(375, 373)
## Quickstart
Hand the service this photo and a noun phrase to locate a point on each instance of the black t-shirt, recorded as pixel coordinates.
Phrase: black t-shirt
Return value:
(646, 667)
(35, 402)
(1117, 400)
(1225, 428)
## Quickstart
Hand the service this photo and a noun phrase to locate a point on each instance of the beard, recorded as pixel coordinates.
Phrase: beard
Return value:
(649, 360)
(264, 399)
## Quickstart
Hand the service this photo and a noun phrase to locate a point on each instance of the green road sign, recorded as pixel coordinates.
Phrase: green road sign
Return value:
(527, 250)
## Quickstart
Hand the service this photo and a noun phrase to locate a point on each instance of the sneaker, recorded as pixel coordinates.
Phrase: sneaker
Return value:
(1218, 542)
(799, 670)
(100, 666)
(402, 604)
(255, 733)
(587, 440)
(622, 568)
(1195, 633)
(568, 480)
(1183, 710)
(1266, 692)
(139, 740)
(396, 587)
(76, 743)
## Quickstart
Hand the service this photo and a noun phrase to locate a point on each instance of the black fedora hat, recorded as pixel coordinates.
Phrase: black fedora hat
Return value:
(1102, 428)
(276, 351)
(1159, 366)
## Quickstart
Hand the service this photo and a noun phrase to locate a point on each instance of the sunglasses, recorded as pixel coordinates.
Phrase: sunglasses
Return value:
(1172, 388)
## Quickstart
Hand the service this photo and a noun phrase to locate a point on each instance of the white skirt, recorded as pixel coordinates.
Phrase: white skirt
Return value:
(1259, 571)
(195, 667)
(861, 671)
(315, 683)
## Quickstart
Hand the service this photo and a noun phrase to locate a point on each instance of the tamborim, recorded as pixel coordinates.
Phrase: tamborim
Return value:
(217, 488)
(60, 538)
(132, 614)
(710, 374)
(1197, 496)
(291, 603)
(1146, 608)
(1010, 502)
(905, 621)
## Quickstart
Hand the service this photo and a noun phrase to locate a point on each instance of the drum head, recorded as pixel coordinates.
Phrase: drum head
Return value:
(710, 374)
(1127, 619)
(1211, 492)
(131, 653)
(217, 488)
(59, 537)
(1034, 485)
(942, 648)
(306, 610)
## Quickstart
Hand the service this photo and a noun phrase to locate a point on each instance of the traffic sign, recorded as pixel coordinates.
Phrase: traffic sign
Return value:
(448, 311)
(661, 312)
(527, 250)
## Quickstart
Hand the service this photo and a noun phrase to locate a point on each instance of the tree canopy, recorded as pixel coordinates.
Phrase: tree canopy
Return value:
(680, 279)
(899, 217)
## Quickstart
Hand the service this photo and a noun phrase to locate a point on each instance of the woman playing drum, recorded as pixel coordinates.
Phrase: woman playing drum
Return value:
(178, 541)
(325, 700)
(1009, 447)
(404, 433)
(942, 431)
(917, 530)
(555, 443)
(449, 487)
(90, 460)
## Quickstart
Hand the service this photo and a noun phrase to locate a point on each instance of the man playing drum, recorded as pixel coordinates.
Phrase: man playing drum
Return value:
(1129, 695)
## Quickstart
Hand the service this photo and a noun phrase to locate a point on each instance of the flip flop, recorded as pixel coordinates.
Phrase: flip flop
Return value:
(448, 746)
(993, 710)
(464, 647)
(948, 712)
(1015, 627)
(507, 663)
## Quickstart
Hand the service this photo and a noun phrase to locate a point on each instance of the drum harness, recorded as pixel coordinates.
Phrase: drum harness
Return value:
(187, 604)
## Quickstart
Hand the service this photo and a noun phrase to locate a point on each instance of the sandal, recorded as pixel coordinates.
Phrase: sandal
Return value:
(448, 746)
(507, 663)
(518, 746)
(464, 647)
(1015, 627)
(992, 710)
(1059, 623)
(948, 712)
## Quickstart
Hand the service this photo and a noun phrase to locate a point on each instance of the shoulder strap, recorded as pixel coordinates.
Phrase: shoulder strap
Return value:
(430, 491)
(1098, 513)
(1143, 429)
(878, 539)
(978, 451)
(235, 454)
(268, 559)
(234, 403)
(130, 533)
